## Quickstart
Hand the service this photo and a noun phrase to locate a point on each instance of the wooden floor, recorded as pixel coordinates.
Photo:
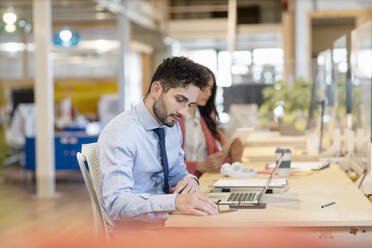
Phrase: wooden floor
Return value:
(22, 214)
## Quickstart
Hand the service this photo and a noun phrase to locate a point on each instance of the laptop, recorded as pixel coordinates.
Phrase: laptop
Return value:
(250, 198)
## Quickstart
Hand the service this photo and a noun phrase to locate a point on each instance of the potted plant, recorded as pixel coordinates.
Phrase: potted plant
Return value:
(286, 106)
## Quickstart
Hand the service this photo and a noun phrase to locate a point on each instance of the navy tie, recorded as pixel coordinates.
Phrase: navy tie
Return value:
(163, 155)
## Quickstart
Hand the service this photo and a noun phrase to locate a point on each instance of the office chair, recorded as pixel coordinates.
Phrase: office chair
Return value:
(91, 179)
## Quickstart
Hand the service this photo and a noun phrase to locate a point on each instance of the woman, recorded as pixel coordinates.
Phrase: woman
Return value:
(202, 141)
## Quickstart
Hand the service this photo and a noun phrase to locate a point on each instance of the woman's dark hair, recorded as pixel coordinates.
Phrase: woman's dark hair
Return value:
(177, 72)
(209, 110)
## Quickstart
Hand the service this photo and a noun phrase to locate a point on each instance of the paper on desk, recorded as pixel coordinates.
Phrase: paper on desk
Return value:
(292, 172)
(304, 166)
(225, 183)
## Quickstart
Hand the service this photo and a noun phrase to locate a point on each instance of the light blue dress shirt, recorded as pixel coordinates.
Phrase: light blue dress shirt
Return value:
(131, 172)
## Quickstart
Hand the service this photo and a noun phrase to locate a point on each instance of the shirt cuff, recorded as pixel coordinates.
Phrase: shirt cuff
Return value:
(194, 177)
(165, 202)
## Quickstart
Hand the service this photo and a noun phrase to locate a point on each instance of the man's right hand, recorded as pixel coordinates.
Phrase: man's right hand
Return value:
(195, 204)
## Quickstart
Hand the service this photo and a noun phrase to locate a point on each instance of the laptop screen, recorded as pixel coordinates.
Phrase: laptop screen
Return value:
(260, 197)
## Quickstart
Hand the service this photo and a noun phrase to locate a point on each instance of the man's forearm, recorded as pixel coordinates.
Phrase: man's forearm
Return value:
(131, 205)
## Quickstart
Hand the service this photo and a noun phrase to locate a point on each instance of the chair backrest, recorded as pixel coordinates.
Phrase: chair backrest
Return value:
(91, 178)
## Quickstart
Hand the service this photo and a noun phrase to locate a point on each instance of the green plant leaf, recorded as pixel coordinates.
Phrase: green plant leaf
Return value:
(295, 102)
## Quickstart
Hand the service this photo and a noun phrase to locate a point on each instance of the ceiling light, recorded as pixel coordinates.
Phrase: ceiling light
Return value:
(22, 23)
(102, 46)
(11, 22)
(12, 47)
(65, 35)
(10, 28)
(9, 17)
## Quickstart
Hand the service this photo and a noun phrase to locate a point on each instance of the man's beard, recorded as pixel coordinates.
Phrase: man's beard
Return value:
(160, 111)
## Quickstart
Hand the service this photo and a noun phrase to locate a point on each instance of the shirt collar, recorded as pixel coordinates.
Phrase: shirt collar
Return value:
(145, 117)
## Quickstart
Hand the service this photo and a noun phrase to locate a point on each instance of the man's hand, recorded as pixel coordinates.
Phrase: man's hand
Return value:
(186, 185)
(195, 204)
(213, 163)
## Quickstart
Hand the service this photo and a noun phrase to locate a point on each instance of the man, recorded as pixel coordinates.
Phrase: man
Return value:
(140, 151)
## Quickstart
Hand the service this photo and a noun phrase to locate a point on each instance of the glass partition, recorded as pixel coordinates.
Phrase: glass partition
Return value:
(322, 89)
(361, 74)
(340, 66)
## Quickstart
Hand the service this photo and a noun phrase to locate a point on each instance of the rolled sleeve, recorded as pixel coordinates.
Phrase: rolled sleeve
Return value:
(133, 205)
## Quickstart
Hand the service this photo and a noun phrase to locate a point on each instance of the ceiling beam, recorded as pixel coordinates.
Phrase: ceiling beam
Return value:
(120, 6)
(199, 8)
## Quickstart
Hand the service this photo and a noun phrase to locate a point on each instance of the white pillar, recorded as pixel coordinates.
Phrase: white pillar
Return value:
(302, 38)
(44, 99)
(124, 37)
(231, 25)
(231, 31)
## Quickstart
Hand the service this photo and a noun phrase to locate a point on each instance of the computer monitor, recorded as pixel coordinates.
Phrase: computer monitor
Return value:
(21, 95)
(243, 94)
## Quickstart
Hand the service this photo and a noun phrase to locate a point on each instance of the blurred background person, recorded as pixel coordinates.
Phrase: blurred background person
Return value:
(202, 139)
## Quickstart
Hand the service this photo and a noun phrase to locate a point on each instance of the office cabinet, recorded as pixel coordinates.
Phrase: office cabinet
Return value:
(67, 144)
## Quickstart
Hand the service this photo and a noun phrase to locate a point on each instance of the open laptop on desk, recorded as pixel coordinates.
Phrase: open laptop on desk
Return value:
(250, 198)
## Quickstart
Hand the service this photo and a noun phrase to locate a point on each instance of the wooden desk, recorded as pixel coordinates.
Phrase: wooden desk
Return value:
(299, 207)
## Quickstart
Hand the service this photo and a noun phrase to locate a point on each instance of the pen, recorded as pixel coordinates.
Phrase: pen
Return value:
(182, 189)
(328, 204)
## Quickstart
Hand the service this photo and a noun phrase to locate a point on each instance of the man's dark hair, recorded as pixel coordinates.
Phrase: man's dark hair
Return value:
(177, 72)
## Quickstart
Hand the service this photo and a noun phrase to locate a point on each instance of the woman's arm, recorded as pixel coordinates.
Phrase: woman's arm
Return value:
(236, 150)
(212, 164)
(192, 167)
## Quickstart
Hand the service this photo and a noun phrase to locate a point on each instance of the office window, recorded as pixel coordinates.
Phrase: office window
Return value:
(11, 55)
(267, 65)
(224, 71)
(263, 65)
(240, 66)
(204, 57)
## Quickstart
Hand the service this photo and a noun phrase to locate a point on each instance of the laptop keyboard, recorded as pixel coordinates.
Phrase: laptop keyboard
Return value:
(241, 197)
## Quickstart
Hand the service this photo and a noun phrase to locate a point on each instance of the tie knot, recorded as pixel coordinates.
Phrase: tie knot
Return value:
(160, 132)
